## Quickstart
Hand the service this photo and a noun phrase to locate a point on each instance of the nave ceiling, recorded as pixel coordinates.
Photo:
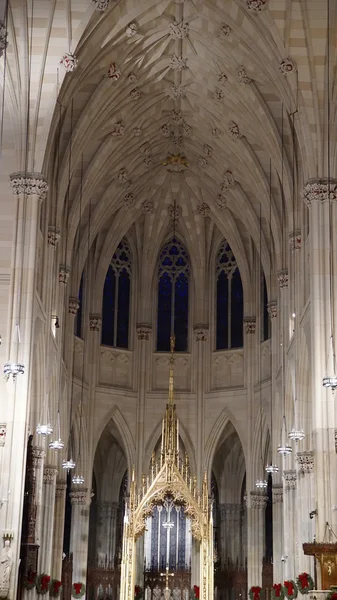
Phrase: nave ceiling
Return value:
(220, 106)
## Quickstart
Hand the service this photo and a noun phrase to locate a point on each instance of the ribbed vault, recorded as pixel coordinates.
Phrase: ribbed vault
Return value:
(201, 79)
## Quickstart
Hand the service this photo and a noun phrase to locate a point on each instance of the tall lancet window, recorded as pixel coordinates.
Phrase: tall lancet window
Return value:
(116, 298)
(229, 300)
(173, 292)
(168, 538)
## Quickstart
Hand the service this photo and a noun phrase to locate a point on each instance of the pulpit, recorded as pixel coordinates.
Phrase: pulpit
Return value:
(326, 555)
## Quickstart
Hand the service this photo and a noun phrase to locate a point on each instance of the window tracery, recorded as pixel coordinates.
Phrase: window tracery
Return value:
(229, 300)
(173, 296)
(116, 298)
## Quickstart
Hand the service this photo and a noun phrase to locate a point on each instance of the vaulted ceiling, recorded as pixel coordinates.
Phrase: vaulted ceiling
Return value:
(190, 101)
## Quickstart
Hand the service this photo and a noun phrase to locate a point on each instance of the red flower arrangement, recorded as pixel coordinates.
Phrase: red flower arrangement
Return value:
(138, 592)
(255, 592)
(277, 592)
(78, 589)
(195, 592)
(332, 595)
(29, 582)
(305, 583)
(290, 589)
(43, 584)
(55, 588)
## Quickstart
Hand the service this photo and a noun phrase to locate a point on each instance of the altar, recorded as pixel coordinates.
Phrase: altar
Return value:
(168, 511)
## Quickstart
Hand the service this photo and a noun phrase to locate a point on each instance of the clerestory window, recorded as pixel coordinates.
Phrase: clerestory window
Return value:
(173, 296)
(116, 298)
(229, 300)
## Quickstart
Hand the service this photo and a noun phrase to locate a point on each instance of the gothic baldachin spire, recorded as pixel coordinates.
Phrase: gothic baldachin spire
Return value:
(170, 429)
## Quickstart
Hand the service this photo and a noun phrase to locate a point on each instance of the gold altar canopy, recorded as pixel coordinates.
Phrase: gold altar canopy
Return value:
(168, 476)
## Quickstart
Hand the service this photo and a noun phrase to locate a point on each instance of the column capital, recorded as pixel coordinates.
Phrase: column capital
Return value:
(143, 331)
(201, 333)
(295, 239)
(29, 184)
(79, 497)
(289, 478)
(101, 5)
(250, 324)
(49, 474)
(64, 274)
(305, 461)
(3, 432)
(37, 456)
(277, 493)
(3, 38)
(60, 489)
(283, 278)
(95, 322)
(73, 305)
(258, 500)
(53, 236)
(272, 309)
(319, 190)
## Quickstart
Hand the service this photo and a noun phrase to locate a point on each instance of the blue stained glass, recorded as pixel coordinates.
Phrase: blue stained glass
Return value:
(108, 308)
(164, 313)
(237, 311)
(173, 291)
(117, 282)
(123, 309)
(181, 312)
(229, 318)
(222, 312)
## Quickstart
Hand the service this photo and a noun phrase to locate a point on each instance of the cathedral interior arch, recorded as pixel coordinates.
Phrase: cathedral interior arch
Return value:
(167, 297)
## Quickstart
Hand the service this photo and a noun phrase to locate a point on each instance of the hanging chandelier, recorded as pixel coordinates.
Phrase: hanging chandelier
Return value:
(44, 429)
(330, 382)
(68, 464)
(261, 483)
(271, 469)
(296, 435)
(284, 449)
(13, 370)
(78, 479)
(56, 445)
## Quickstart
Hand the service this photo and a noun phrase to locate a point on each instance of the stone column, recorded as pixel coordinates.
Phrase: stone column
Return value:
(251, 370)
(305, 504)
(321, 195)
(51, 304)
(143, 361)
(38, 455)
(29, 189)
(278, 533)
(289, 522)
(230, 520)
(256, 520)
(80, 501)
(107, 529)
(59, 511)
(201, 336)
(48, 504)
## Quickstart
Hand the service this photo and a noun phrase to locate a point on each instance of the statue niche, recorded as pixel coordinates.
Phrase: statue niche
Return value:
(6, 563)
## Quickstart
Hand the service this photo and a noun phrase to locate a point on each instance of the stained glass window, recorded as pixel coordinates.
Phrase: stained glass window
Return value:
(116, 299)
(173, 296)
(229, 300)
